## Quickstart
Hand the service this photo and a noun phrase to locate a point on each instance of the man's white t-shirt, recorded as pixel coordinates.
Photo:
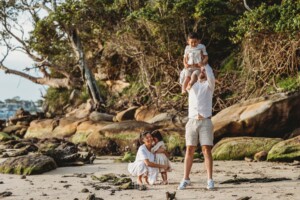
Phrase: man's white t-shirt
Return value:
(200, 96)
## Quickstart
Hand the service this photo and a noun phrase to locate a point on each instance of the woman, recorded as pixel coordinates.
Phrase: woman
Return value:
(144, 165)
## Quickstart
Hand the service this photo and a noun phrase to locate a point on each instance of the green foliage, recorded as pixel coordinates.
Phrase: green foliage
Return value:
(289, 83)
(57, 98)
(284, 18)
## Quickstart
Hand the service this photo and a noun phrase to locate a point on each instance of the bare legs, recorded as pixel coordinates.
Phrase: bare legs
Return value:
(140, 180)
(208, 160)
(188, 161)
(164, 177)
(185, 84)
(189, 82)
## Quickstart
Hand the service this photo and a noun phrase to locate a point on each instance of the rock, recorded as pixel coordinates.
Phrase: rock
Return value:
(84, 129)
(271, 116)
(237, 148)
(116, 137)
(295, 133)
(285, 151)
(261, 156)
(127, 114)
(5, 136)
(27, 165)
(13, 128)
(5, 194)
(145, 113)
(41, 128)
(97, 116)
(117, 86)
(169, 120)
(66, 127)
(84, 190)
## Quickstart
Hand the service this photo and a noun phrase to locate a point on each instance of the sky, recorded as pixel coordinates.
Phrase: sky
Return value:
(12, 85)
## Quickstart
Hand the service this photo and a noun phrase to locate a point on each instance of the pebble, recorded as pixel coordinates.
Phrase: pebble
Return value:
(84, 190)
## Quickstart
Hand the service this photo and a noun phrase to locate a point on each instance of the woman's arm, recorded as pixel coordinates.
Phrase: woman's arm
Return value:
(164, 151)
(152, 164)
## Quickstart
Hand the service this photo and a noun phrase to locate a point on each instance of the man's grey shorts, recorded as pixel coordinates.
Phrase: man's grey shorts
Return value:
(199, 131)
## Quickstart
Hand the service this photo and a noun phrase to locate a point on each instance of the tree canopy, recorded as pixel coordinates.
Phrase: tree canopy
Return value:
(253, 46)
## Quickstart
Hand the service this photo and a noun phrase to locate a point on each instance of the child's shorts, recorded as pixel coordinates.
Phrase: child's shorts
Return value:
(191, 71)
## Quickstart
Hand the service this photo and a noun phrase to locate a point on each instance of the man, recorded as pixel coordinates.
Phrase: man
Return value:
(199, 128)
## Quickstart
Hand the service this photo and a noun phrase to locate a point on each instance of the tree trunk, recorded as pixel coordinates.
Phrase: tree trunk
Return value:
(87, 75)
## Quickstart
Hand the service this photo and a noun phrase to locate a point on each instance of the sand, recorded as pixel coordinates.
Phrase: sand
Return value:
(53, 185)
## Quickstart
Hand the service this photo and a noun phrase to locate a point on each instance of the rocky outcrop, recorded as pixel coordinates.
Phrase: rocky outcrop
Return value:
(271, 116)
(67, 127)
(5, 136)
(127, 114)
(116, 137)
(41, 128)
(285, 151)
(145, 113)
(85, 129)
(98, 117)
(28, 164)
(237, 148)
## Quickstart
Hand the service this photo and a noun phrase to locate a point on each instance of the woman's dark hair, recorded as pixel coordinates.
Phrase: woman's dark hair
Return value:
(193, 35)
(157, 134)
(142, 135)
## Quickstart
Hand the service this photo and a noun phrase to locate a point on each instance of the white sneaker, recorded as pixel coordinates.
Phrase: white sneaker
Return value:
(183, 184)
(210, 184)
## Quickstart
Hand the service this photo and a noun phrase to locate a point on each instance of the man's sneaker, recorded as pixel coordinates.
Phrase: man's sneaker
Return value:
(183, 184)
(210, 184)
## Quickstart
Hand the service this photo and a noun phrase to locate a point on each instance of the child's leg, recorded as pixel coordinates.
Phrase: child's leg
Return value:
(164, 177)
(185, 84)
(146, 180)
(194, 79)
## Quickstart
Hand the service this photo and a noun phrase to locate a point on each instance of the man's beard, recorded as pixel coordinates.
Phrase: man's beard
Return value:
(202, 77)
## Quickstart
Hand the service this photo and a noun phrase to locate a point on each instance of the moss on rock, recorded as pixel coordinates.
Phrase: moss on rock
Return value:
(27, 165)
(285, 151)
(5, 136)
(237, 148)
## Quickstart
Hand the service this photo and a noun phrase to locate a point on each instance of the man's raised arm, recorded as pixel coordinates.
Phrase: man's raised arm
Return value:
(210, 77)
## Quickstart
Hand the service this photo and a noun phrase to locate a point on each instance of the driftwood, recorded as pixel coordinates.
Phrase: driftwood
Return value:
(254, 180)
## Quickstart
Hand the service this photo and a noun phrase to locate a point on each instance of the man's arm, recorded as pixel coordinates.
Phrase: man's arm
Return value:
(210, 77)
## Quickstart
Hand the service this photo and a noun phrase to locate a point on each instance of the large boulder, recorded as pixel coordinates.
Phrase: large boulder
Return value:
(127, 114)
(169, 120)
(145, 113)
(41, 128)
(237, 148)
(85, 129)
(97, 117)
(117, 137)
(13, 128)
(271, 116)
(67, 127)
(285, 151)
(29, 164)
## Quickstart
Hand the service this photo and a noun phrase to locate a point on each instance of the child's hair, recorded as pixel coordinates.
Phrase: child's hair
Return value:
(142, 135)
(193, 35)
(157, 134)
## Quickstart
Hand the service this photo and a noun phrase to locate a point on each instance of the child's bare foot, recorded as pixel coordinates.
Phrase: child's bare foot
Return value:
(146, 180)
(183, 92)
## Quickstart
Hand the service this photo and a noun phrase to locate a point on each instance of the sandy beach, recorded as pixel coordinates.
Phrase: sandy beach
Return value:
(65, 183)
